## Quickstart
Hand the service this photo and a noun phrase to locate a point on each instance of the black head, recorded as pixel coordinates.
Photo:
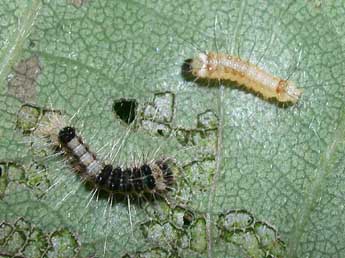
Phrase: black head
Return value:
(66, 134)
(186, 70)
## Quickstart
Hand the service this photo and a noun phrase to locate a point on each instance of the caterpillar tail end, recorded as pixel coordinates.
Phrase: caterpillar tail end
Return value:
(292, 92)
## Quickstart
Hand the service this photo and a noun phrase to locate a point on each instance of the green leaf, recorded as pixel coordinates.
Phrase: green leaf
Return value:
(257, 179)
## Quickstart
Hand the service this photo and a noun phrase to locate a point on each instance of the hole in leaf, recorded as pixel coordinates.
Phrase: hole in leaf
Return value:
(126, 109)
(188, 218)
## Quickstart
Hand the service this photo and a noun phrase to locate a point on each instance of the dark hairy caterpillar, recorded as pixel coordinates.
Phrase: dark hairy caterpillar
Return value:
(155, 177)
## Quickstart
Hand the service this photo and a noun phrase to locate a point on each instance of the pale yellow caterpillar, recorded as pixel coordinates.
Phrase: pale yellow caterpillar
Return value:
(225, 67)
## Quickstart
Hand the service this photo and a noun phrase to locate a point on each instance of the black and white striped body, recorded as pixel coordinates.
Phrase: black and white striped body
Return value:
(149, 178)
(86, 159)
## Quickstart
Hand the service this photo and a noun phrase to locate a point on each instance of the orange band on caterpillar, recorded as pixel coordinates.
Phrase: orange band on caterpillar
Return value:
(225, 67)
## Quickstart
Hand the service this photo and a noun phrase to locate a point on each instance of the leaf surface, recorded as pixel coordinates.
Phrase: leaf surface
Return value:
(280, 165)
